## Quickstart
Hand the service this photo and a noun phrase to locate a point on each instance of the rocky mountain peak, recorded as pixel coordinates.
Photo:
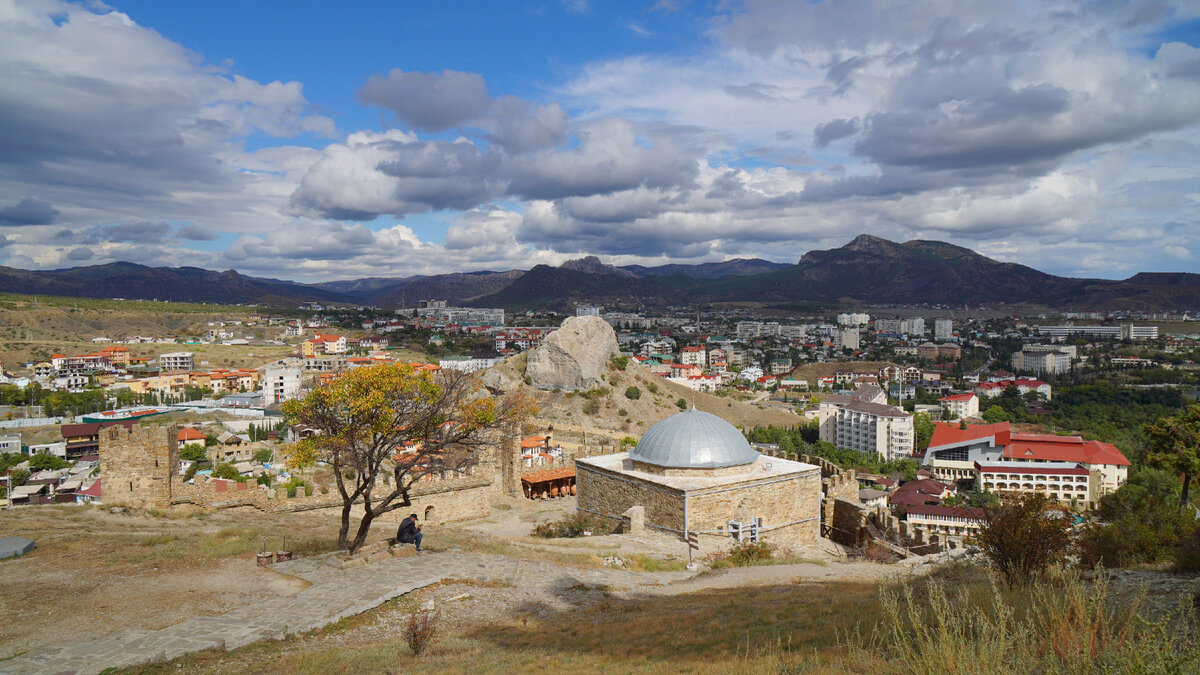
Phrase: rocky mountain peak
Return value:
(592, 265)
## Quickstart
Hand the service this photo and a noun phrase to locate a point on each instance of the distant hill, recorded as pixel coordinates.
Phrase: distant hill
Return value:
(738, 267)
(455, 288)
(178, 284)
(874, 270)
(868, 270)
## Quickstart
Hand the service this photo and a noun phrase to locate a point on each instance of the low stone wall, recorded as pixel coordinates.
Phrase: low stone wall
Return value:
(787, 508)
(607, 494)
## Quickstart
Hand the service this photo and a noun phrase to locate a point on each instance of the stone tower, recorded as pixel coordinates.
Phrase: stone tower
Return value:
(138, 464)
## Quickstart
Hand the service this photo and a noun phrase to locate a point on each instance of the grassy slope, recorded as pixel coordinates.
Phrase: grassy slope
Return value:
(565, 410)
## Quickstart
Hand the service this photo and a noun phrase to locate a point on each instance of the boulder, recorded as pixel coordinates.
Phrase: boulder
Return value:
(574, 356)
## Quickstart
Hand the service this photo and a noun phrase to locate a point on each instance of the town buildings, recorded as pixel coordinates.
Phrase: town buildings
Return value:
(959, 406)
(982, 453)
(177, 361)
(1043, 359)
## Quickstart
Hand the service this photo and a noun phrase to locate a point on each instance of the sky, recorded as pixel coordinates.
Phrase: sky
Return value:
(316, 141)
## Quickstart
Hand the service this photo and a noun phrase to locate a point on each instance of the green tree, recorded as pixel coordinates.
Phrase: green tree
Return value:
(263, 456)
(922, 430)
(227, 471)
(193, 452)
(18, 477)
(385, 427)
(46, 462)
(995, 414)
(1024, 536)
(1175, 446)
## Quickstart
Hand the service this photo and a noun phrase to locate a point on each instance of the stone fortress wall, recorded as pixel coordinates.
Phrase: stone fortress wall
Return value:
(140, 468)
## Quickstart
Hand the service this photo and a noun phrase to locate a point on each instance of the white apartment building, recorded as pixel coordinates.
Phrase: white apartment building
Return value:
(693, 356)
(1068, 482)
(874, 428)
(438, 310)
(1042, 359)
(961, 405)
(752, 330)
(280, 384)
(846, 338)
(943, 330)
(955, 521)
(853, 319)
(177, 361)
(587, 310)
(1125, 331)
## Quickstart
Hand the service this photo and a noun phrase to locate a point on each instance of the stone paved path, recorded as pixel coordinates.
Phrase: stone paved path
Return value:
(334, 593)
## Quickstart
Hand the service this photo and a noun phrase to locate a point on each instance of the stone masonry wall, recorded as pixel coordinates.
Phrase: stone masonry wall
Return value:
(610, 495)
(138, 465)
(775, 502)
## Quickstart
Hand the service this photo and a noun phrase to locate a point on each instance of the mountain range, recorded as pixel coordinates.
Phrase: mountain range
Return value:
(869, 270)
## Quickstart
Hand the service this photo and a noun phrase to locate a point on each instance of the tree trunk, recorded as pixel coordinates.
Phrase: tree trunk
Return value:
(1187, 484)
(364, 526)
(344, 530)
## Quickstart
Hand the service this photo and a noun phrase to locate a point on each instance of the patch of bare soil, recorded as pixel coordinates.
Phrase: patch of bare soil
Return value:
(94, 573)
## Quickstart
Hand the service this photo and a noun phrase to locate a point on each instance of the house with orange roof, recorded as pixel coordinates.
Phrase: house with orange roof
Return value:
(190, 436)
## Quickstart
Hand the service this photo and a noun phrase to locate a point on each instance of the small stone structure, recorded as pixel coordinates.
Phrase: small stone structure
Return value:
(695, 472)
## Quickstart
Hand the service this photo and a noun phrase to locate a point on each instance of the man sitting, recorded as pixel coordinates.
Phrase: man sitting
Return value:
(410, 532)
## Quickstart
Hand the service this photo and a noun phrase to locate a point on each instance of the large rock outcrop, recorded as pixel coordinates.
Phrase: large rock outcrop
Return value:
(574, 356)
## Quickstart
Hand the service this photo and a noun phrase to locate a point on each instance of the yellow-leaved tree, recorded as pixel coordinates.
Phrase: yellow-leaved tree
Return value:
(402, 421)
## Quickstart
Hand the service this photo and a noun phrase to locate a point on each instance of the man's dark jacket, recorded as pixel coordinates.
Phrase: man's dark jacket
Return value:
(407, 533)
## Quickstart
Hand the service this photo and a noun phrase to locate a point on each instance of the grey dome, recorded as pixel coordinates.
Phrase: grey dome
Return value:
(693, 440)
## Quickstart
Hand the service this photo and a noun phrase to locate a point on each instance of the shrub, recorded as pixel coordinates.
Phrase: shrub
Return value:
(1187, 559)
(1152, 534)
(633, 393)
(681, 404)
(591, 407)
(742, 554)
(227, 471)
(620, 361)
(263, 479)
(574, 525)
(263, 456)
(1024, 536)
(420, 631)
(652, 387)
(294, 483)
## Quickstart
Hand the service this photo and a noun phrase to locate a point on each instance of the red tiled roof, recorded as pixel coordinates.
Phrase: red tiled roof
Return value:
(925, 486)
(1063, 449)
(190, 434)
(533, 442)
(913, 499)
(1031, 469)
(957, 397)
(967, 512)
(949, 434)
(549, 474)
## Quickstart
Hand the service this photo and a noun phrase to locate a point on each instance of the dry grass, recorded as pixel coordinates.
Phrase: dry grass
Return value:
(715, 631)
